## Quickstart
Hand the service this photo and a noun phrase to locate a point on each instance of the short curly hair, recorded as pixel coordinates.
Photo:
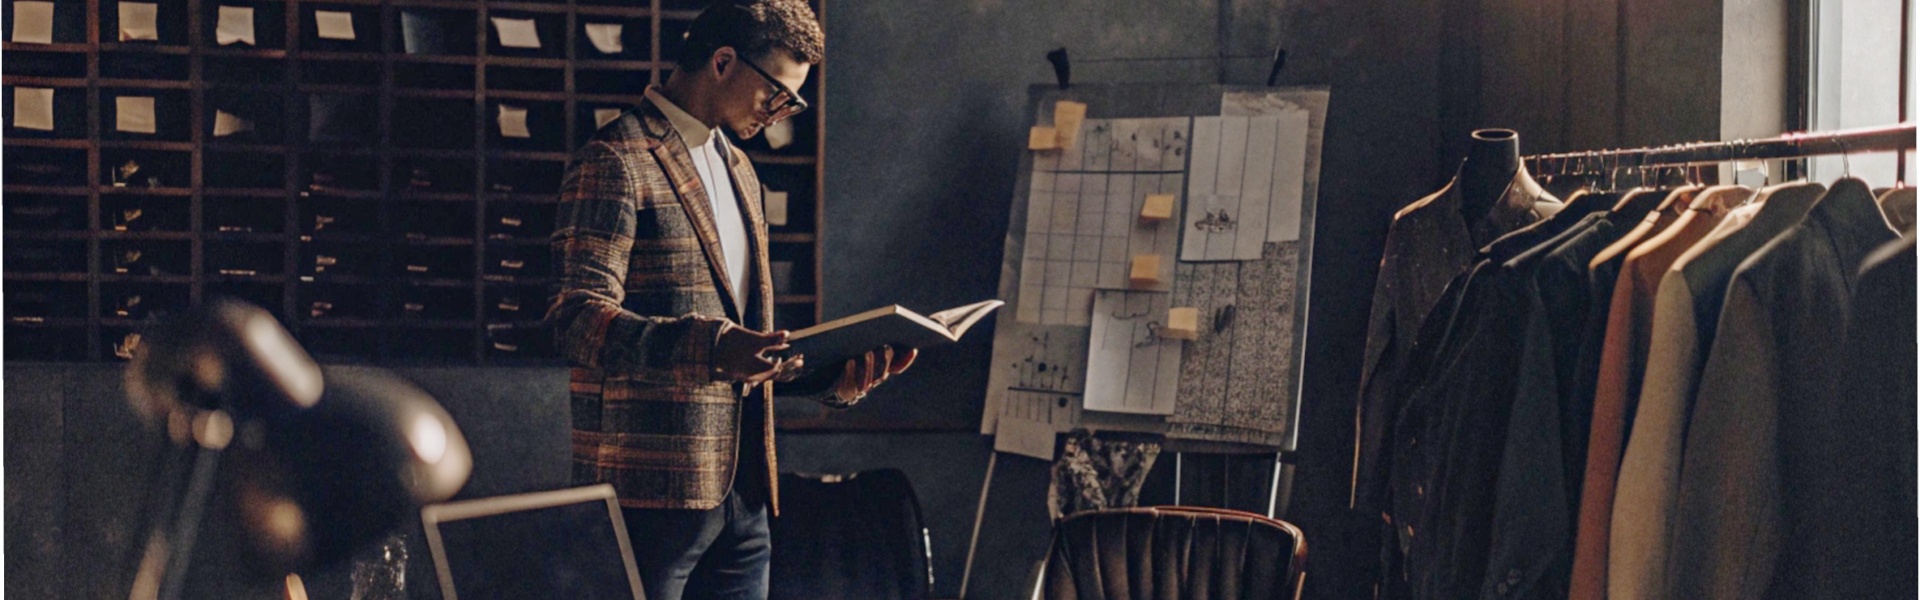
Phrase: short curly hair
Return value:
(754, 28)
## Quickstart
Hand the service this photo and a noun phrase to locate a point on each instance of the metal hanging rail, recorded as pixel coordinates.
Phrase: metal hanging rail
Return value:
(1792, 145)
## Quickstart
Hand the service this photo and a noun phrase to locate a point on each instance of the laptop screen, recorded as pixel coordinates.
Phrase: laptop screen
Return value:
(544, 545)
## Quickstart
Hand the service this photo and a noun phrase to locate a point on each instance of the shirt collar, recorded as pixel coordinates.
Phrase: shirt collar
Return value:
(692, 131)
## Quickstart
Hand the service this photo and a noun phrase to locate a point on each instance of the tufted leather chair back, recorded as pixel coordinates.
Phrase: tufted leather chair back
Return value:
(1174, 553)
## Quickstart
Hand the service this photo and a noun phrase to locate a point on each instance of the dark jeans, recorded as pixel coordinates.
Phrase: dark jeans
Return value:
(718, 554)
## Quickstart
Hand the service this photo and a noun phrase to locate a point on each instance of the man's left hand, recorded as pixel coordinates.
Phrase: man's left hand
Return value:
(863, 374)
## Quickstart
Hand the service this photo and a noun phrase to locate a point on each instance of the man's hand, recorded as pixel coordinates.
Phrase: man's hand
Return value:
(741, 355)
(863, 374)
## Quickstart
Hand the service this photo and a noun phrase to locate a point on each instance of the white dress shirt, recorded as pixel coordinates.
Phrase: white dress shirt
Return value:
(710, 152)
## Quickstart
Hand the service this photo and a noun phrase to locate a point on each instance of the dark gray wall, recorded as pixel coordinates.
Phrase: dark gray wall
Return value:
(924, 105)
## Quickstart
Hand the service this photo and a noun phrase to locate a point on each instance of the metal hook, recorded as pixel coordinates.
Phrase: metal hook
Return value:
(1846, 164)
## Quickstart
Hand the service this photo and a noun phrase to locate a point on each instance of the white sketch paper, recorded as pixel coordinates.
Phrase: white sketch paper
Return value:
(1130, 368)
(1245, 185)
(1024, 437)
(226, 124)
(606, 37)
(32, 22)
(516, 33)
(33, 108)
(235, 25)
(333, 24)
(134, 114)
(513, 122)
(1083, 225)
(137, 21)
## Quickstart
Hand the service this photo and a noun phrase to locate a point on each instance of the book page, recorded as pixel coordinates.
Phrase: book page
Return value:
(235, 26)
(1130, 368)
(961, 318)
(32, 22)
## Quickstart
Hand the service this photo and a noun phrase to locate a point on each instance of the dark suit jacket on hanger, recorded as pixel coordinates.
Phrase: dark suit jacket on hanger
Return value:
(1428, 244)
(1686, 314)
(1776, 350)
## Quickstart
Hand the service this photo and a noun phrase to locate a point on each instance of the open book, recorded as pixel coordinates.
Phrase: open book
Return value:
(828, 346)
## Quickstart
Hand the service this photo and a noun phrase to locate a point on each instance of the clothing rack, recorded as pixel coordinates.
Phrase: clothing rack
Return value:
(1792, 145)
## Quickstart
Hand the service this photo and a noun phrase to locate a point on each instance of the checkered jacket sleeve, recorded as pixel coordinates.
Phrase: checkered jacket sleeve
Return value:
(592, 241)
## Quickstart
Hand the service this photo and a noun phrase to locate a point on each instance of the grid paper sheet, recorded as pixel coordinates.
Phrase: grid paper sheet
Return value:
(1083, 210)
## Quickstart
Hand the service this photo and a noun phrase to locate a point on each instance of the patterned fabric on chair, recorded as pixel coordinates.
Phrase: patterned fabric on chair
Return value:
(1174, 552)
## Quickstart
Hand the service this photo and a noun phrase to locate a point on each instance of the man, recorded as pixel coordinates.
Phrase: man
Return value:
(665, 305)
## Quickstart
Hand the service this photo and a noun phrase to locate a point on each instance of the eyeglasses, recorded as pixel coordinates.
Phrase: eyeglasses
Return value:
(784, 103)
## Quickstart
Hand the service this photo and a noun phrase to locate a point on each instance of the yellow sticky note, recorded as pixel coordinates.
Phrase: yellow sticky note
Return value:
(1183, 323)
(1145, 271)
(1159, 207)
(1067, 117)
(1042, 138)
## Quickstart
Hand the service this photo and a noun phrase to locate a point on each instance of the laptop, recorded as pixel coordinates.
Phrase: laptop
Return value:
(561, 544)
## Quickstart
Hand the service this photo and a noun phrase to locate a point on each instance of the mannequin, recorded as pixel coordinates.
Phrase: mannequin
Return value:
(1492, 160)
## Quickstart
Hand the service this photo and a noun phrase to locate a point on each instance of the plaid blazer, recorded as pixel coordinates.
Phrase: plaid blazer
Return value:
(641, 300)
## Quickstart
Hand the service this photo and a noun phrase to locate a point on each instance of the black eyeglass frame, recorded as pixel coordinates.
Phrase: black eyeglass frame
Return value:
(776, 110)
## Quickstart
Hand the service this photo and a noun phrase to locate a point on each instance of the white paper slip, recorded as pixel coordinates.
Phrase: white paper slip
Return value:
(137, 21)
(513, 122)
(32, 22)
(516, 33)
(606, 37)
(1023, 437)
(134, 114)
(333, 24)
(236, 25)
(1131, 368)
(780, 135)
(776, 202)
(603, 116)
(33, 108)
(226, 123)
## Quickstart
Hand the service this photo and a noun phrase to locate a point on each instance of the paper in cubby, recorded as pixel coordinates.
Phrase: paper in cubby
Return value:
(137, 21)
(333, 24)
(134, 114)
(235, 25)
(226, 124)
(32, 22)
(516, 33)
(33, 108)
(606, 37)
(513, 122)
(603, 116)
